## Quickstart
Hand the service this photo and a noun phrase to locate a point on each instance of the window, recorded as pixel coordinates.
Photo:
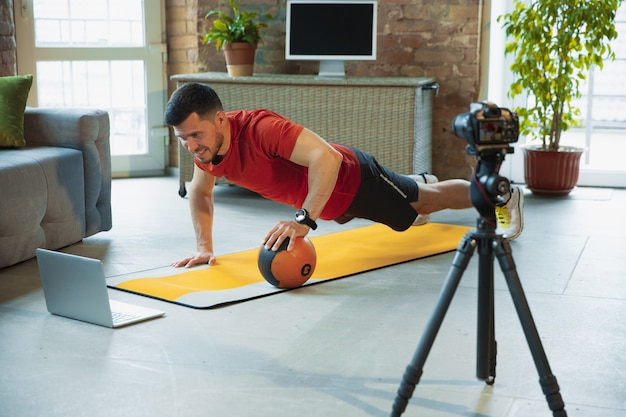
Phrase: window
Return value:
(105, 54)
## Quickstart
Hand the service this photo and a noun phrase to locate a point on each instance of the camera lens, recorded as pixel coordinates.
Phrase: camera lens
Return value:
(461, 128)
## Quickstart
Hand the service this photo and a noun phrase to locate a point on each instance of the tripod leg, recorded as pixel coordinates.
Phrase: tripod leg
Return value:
(485, 341)
(414, 370)
(548, 382)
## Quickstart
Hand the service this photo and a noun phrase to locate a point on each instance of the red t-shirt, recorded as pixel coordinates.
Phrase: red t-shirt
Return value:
(258, 159)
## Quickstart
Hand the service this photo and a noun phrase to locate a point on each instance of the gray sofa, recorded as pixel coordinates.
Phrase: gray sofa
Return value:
(56, 190)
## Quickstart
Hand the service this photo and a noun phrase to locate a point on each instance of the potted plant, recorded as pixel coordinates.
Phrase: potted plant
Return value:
(237, 35)
(554, 44)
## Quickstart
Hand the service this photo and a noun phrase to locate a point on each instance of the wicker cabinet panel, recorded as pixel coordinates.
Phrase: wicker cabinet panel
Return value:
(387, 117)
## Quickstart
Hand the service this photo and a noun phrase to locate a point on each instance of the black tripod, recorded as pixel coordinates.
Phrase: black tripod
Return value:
(487, 187)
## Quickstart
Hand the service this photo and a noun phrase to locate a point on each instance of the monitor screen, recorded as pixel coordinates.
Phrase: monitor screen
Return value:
(331, 32)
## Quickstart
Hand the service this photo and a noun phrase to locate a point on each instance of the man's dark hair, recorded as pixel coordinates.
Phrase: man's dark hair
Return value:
(190, 98)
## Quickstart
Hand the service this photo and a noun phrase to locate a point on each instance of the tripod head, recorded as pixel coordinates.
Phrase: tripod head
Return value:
(488, 188)
(489, 130)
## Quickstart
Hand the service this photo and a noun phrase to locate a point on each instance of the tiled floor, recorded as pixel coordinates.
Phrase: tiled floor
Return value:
(337, 349)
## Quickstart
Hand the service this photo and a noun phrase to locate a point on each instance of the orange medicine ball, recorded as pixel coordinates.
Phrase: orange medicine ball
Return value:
(288, 269)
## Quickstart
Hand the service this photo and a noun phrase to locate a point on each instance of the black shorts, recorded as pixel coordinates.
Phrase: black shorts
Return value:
(384, 196)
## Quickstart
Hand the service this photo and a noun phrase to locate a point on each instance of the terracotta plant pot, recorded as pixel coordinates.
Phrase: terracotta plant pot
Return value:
(239, 58)
(550, 172)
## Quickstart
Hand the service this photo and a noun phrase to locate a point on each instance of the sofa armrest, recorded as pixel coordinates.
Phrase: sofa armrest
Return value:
(67, 127)
(75, 128)
(87, 130)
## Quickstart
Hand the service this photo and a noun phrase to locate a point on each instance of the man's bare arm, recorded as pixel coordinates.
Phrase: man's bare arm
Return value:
(201, 208)
(323, 162)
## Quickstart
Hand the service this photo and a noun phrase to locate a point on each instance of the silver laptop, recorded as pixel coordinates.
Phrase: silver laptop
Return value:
(75, 287)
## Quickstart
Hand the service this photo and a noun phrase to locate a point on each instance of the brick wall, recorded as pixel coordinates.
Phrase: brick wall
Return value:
(7, 39)
(416, 38)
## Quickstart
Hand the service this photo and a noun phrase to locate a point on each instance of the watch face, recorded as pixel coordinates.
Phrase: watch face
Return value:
(300, 215)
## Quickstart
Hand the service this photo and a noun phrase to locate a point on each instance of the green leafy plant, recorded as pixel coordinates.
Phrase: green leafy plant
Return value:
(240, 27)
(554, 44)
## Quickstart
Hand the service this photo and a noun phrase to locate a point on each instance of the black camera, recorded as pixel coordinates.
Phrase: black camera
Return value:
(487, 126)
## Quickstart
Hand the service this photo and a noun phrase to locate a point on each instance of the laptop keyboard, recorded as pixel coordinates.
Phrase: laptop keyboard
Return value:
(122, 317)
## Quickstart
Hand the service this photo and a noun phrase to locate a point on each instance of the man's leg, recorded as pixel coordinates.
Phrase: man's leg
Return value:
(454, 194)
(383, 196)
(448, 194)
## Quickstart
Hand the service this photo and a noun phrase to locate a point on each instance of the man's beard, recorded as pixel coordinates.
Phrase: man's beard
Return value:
(205, 155)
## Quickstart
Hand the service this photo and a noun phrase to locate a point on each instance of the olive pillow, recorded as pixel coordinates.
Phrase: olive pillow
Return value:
(13, 95)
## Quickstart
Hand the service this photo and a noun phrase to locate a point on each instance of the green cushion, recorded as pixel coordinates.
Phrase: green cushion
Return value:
(13, 95)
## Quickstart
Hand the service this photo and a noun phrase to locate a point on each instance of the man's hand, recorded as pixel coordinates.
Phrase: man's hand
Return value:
(199, 258)
(283, 230)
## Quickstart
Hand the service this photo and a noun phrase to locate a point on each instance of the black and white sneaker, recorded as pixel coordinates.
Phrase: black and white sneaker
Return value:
(510, 215)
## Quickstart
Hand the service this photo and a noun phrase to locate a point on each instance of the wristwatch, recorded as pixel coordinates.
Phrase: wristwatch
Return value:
(302, 217)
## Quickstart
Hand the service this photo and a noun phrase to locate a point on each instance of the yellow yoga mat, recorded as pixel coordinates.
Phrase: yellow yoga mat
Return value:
(236, 277)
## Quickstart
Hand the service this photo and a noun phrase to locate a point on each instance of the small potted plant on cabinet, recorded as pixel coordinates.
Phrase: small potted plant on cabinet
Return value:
(554, 44)
(237, 35)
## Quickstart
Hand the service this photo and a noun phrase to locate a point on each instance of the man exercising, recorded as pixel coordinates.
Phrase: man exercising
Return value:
(285, 162)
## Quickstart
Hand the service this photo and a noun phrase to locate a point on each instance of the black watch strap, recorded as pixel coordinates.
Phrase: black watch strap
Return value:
(302, 217)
